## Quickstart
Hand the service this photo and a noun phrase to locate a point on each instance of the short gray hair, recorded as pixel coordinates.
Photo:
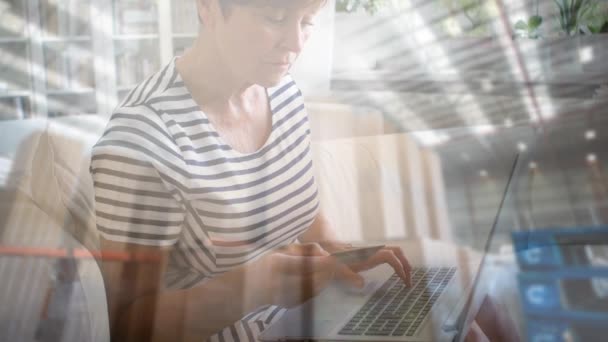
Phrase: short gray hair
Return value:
(226, 4)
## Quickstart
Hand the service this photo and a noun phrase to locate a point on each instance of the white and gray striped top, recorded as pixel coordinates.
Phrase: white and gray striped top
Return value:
(164, 177)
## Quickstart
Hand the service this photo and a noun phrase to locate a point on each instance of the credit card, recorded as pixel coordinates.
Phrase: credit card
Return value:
(356, 254)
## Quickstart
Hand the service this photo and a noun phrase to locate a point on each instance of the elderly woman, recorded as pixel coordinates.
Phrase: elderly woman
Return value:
(206, 168)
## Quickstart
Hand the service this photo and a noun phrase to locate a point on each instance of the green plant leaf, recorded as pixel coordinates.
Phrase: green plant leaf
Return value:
(534, 22)
(370, 6)
(566, 14)
(521, 25)
(562, 16)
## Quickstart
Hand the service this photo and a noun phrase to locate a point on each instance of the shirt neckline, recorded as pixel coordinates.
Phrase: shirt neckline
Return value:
(212, 128)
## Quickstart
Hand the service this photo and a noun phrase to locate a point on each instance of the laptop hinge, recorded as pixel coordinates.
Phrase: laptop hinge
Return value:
(455, 316)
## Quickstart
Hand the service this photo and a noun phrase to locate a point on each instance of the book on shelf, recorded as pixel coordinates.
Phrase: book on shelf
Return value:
(14, 67)
(11, 14)
(14, 108)
(54, 66)
(136, 17)
(66, 18)
(71, 104)
(69, 68)
(184, 17)
(80, 71)
(133, 67)
(20, 109)
(63, 17)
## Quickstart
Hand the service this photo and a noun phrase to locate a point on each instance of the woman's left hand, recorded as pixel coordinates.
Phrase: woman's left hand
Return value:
(492, 322)
(391, 255)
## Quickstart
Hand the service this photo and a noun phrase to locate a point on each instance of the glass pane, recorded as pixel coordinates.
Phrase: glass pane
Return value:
(71, 104)
(14, 68)
(15, 107)
(69, 66)
(135, 60)
(65, 17)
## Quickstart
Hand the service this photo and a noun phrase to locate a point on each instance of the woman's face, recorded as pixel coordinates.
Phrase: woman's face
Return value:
(260, 42)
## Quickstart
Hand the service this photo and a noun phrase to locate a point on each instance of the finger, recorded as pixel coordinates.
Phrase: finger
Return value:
(406, 265)
(346, 274)
(387, 256)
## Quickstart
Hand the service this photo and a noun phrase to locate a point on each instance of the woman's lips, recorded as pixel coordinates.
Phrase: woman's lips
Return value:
(280, 65)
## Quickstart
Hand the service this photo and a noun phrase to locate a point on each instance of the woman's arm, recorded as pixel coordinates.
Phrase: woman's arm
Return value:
(320, 231)
(140, 309)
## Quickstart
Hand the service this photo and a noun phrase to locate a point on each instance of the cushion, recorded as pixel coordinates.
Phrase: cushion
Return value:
(30, 305)
(61, 184)
(19, 141)
(379, 187)
(336, 121)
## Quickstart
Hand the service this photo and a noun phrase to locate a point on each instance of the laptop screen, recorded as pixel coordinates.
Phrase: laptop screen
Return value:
(495, 234)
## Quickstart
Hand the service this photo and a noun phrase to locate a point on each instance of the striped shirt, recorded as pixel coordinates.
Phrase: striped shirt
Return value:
(164, 177)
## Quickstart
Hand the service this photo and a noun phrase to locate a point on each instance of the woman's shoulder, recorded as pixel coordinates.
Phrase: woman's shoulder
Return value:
(135, 130)
(153, 87)
(150, 104)
(136, 116)
(286, 92)
(286, 82)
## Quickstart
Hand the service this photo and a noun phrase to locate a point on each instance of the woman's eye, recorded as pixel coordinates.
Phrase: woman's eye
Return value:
(274, 16)
(275, 19)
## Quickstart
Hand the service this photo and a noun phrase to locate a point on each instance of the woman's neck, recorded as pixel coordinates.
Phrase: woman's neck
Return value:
(211, 82)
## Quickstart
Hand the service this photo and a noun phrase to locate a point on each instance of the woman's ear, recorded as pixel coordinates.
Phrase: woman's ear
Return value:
(205, 11)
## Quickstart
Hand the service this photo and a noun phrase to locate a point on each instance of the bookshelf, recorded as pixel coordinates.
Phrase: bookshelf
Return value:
(142, 46)
(15, 84)
(64, 57)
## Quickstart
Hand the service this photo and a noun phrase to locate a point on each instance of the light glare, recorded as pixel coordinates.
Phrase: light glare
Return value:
(521, 147)
(590, 134)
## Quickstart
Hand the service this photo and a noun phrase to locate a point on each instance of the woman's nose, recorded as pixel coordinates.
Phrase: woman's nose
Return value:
(295, 39)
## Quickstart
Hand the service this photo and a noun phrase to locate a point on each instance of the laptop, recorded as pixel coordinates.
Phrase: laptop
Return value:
(439, 306)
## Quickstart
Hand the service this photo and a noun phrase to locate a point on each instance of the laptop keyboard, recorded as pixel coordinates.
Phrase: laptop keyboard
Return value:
(397, 310)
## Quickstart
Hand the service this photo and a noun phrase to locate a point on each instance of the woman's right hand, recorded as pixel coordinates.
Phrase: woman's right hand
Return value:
(295, 273)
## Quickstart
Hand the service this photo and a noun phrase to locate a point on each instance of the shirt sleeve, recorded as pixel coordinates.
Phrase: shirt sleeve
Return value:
(134, 203)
